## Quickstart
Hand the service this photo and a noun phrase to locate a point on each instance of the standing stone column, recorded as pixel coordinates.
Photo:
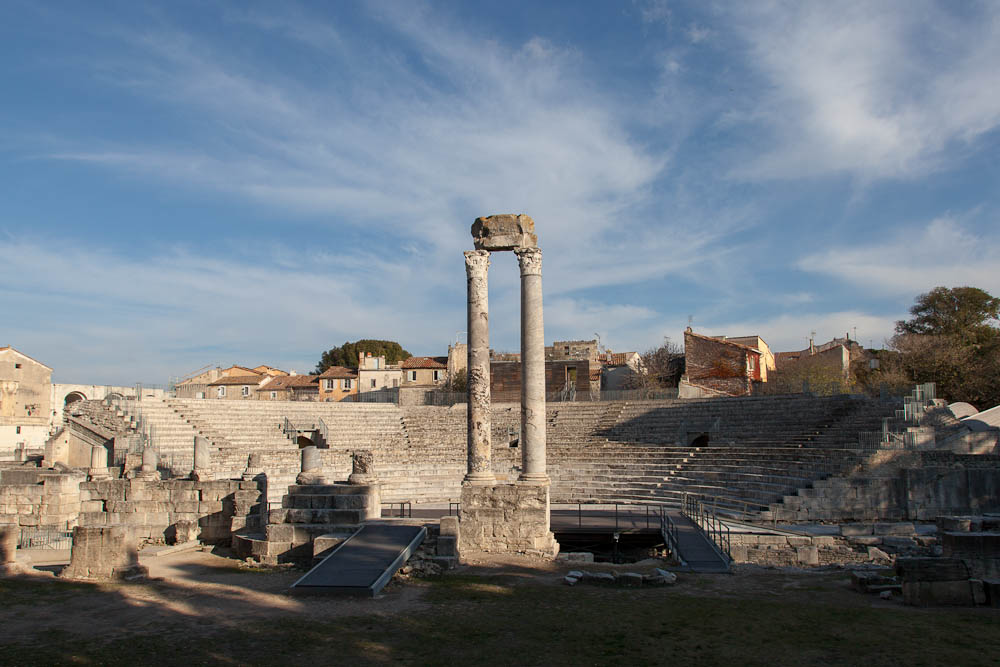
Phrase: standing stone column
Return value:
(532, 366)
(202, 460)
(98, 463)
(480, 470)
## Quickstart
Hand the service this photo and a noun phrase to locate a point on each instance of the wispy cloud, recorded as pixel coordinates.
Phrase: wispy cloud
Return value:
(873, 91)
(942, 252)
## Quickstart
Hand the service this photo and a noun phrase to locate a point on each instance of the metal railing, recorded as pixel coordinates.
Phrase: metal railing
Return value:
(669, 531)
(405, 509)
(705, 517)
(44, 538)
(872, 441)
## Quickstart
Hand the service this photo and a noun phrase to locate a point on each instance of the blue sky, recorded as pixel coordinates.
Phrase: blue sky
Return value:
(187, 184)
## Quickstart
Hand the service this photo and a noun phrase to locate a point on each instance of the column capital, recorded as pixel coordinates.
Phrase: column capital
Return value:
(477, 262)
(530, 261)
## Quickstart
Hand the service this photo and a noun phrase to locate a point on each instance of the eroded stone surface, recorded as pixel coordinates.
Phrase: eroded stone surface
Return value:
(504, 232)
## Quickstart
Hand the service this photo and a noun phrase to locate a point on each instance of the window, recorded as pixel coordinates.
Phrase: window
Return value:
(437, 375)
(18, 430)
(328, 385)
(222, 392)
(413, 376)
(17, 365)
(274, 394)
(346, 384)
(395, 382)
(246, 390)
(373, 383)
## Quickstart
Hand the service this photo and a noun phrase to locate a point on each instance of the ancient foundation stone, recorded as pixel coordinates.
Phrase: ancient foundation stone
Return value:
(9, 534)
(103, 552)
(506, 518)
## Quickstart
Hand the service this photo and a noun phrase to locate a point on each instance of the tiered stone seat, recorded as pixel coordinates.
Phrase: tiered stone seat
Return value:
(759, 450)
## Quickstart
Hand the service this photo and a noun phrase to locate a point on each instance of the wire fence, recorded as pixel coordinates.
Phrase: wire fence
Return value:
(40, 537)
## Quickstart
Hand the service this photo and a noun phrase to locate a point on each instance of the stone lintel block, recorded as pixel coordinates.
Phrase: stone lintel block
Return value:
(504, 232)
(906, 528)
(799, 541)
(824, 540)
(856, 529)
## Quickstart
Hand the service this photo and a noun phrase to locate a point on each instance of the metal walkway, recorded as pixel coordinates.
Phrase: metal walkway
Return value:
(363, 563)
(694, 548)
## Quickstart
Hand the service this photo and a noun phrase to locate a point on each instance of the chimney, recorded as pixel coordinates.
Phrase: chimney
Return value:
(293, 373)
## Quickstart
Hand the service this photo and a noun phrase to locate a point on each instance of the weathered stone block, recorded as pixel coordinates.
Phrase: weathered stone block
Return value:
(449, 526)
(504, 232)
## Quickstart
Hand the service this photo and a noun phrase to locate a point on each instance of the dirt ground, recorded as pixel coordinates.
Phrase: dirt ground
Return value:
(199, 592)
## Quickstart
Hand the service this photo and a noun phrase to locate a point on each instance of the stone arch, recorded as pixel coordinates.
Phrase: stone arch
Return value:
(115, 396)
(304, 441)
(73, 397)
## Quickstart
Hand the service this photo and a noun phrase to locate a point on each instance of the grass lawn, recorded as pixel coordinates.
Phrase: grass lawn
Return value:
(502, 619)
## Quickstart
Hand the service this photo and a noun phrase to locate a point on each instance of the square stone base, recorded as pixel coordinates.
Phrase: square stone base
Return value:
(506, 518)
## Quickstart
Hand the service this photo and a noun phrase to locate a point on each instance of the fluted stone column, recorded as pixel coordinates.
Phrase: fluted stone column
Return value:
(532, 366)
(480, 468)
(98, 463)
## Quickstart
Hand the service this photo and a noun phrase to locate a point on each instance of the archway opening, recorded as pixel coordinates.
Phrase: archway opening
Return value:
(73, 397)
(700, 440)
(305, 442)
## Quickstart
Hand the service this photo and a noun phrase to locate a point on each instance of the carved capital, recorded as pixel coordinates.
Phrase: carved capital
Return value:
(530, 261)
(477, 263)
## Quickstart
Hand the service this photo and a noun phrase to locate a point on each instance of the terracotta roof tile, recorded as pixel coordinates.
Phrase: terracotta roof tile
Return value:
(237, 379)
(425, 362)
(291, 382)
(339, 372)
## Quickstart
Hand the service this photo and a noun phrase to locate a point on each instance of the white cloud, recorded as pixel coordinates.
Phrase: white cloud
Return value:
(888, 90)
(914, 260)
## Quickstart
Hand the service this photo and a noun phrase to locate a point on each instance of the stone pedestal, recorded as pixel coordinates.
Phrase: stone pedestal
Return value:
(202, 460)
(532, 367)
(148, 471)
(363, 475)
(9, 534)
(103, 552)
(506, 518)
(312, 468)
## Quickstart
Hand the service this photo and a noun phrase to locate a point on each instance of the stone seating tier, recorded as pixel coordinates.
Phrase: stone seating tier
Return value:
(780, 444)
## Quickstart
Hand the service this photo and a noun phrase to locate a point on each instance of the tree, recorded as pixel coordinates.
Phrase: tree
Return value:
(347, 354)
(952, 341)
(660, 367)
(965, 312)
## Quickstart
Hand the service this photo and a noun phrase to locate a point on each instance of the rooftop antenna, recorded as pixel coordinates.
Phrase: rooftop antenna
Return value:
(458, 335)
(598, 341)
(855, 333)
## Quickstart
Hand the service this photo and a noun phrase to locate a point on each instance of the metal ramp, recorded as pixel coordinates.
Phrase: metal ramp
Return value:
(694, 548)
(363, 563)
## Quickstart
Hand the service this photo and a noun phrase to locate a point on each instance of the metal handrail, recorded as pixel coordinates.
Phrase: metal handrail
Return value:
(708, 521)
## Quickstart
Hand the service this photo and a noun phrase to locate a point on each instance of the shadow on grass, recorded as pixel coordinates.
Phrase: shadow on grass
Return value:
(489, 616)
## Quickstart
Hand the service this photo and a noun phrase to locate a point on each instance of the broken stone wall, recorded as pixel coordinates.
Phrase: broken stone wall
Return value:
(153, 509)
(50, 500)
